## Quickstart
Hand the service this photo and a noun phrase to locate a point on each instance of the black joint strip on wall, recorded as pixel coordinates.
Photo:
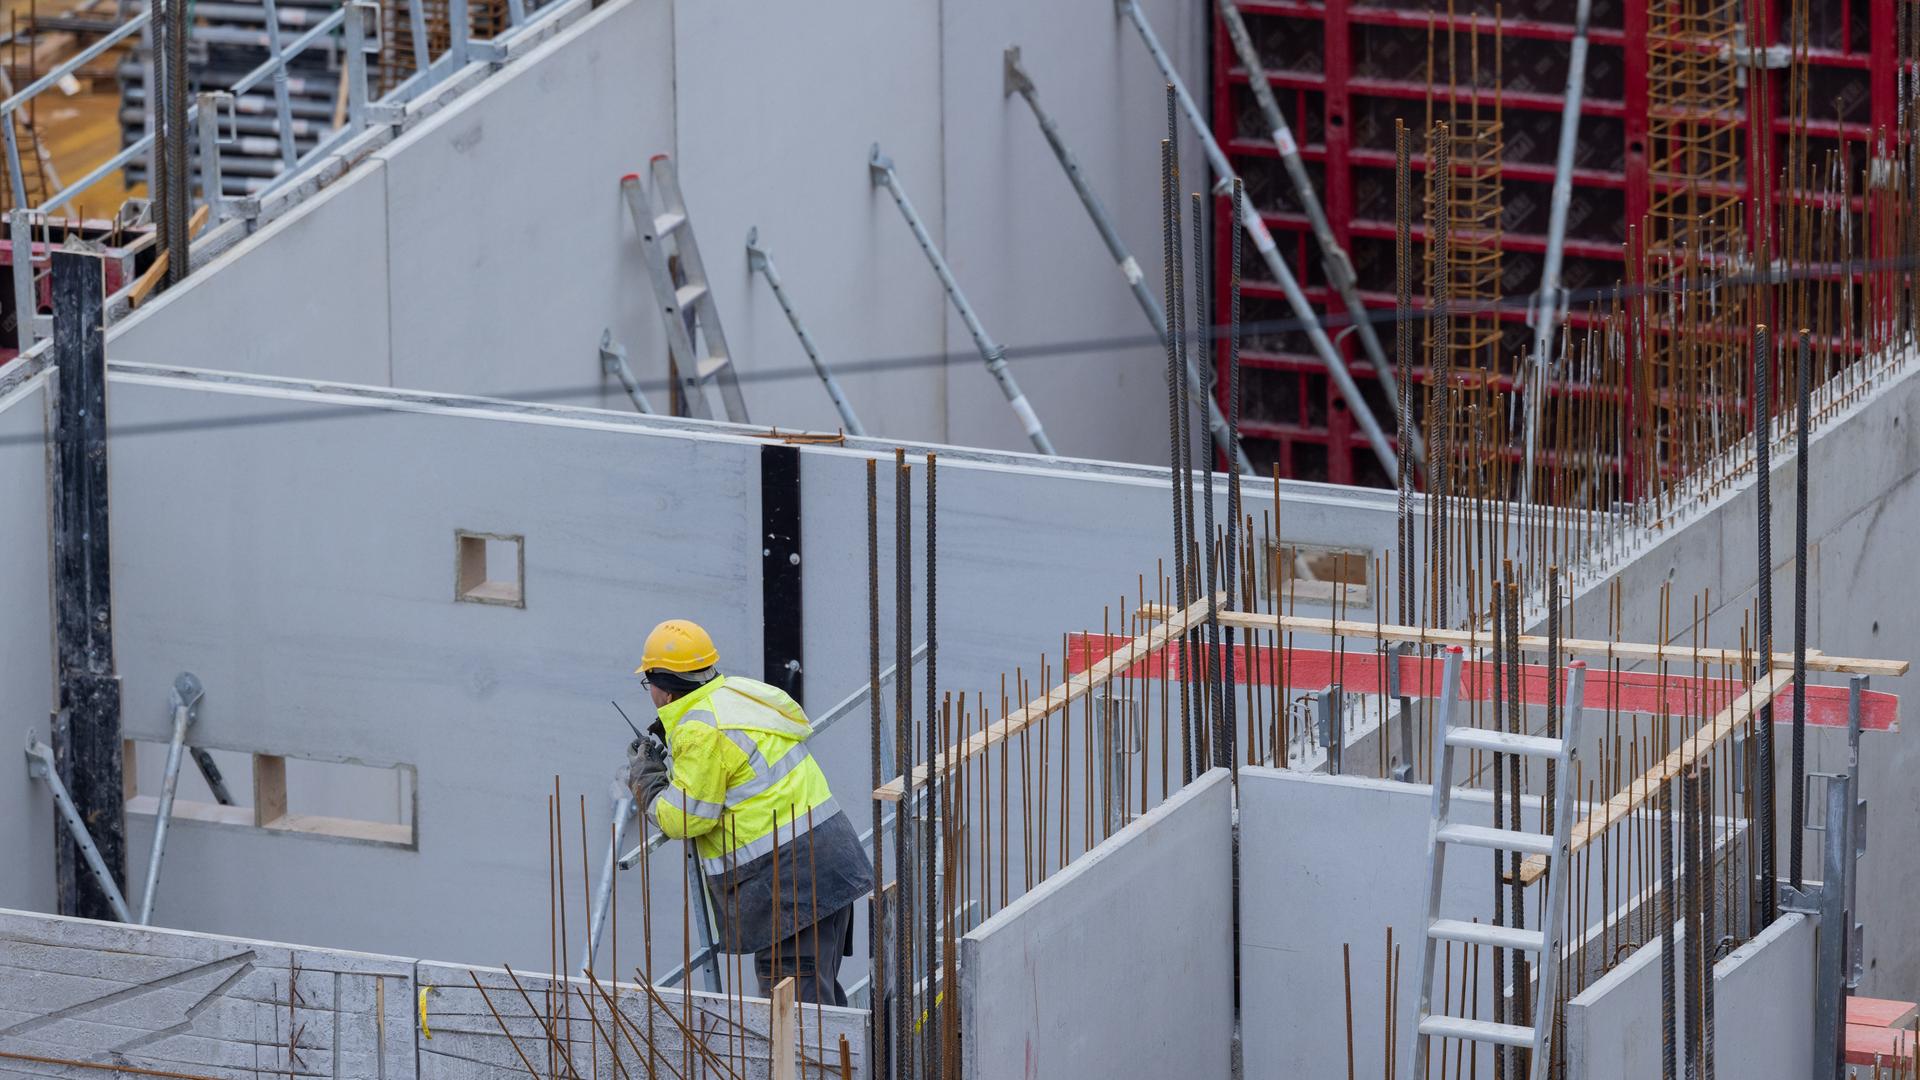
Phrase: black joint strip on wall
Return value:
(780, 567)
(86, 735)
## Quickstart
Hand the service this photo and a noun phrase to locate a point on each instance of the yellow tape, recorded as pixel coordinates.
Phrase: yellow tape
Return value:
(424, 1030)
(925, 1015)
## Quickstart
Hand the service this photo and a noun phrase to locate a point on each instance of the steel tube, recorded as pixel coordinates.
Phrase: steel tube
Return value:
(1551, 298)
(622, 810)
(1018, 81)
(176, 751)
(882, 172)
(26, 303)
(758, 259)
(1333, 257)
(282, 103)
(1269, 252)
(210, 184)
(40, 766)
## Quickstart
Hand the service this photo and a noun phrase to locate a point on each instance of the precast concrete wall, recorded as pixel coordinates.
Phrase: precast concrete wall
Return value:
(110, 995)
(1763, 1014)
(26, 643)
(81, 996)
(310, 584)
(1864, 600)
(488, 248)
(1121, 964)
(1344, 859)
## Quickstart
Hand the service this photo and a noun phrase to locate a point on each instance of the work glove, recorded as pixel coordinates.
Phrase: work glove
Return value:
(647, 771)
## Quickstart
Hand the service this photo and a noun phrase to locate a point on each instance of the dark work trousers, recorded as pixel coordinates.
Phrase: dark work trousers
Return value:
(811, 957)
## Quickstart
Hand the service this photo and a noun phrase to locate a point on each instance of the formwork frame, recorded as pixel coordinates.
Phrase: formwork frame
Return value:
(1331, 64)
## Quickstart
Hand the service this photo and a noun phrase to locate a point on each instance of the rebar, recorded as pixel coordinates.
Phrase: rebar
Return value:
(1796, 830)
(1174, 384)
(1763, 484)
(904, 846)
(937, 1048)
(879, 995)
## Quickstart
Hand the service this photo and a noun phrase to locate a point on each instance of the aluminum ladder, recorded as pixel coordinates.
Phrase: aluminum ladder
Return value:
(1443, 832)
(680, 288)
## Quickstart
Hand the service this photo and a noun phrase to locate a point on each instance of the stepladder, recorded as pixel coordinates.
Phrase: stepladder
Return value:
(696, 345)
(1446, 830)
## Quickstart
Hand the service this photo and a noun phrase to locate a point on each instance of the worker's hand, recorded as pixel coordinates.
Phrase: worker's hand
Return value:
(647, 771)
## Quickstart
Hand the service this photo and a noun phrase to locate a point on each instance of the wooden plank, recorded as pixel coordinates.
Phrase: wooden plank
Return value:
(1366, 672)
(1055, 699)
(1880, 1012)
(781, 1046)
(1620, 650)
(269, 789)
(1647, 786)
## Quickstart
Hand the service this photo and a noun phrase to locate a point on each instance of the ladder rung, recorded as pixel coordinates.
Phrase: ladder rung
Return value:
(1503, 937)
(668, 222)
(708, 365)
(1454, 1027)
(1497, 839)
(1501, 742)
(689, 294)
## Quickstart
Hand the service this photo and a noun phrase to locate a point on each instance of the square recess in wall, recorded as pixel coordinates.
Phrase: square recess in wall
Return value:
(1319, 574)
(490, 568)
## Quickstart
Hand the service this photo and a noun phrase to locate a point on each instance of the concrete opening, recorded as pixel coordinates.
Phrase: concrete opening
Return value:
(491, 568)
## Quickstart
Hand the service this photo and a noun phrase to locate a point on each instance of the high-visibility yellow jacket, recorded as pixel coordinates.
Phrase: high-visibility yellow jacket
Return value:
(742, 784)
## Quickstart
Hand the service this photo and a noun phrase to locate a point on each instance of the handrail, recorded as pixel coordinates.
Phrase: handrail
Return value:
(429, 72)
(74, 62)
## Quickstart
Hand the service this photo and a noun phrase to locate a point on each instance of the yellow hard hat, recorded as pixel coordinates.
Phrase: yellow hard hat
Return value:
(677, 645)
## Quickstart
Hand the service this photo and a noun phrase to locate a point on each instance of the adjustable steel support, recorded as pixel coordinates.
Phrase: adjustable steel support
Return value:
(1269, 251)
(613, 362)
(706, 956)
(623, 809)
(1017, 81)
(1550, 303)
(1403, 771)
(880, 168)
(758, 259)
(185, 700)
(40, 767)
(1333, 257)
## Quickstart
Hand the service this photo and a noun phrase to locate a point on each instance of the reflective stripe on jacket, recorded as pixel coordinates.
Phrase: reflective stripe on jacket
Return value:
(743, 782)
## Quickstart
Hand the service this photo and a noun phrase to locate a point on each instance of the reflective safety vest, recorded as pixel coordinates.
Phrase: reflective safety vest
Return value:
(743, 780)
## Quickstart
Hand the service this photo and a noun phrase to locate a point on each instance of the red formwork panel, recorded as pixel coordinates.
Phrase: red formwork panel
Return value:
(1344, 70)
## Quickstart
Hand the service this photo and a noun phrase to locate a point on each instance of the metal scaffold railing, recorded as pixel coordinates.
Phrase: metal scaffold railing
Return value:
(352, 30)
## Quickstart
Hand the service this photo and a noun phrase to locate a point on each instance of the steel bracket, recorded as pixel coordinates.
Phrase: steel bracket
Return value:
(386, 112)
(40, 767)
(492, 52)
(1014, 78)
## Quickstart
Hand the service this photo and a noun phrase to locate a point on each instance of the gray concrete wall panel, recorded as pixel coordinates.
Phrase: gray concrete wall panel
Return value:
(1763, 1016)
(776, 108)
(309, 293)
(1121, 964)
(26, 644)
(222, 1008)
(1865, 601)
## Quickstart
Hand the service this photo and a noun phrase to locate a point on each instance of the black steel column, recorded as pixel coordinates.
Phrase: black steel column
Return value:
(780, 608)
(86, 735)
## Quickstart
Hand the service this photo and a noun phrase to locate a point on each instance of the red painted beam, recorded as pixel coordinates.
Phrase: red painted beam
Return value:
(1366, 673)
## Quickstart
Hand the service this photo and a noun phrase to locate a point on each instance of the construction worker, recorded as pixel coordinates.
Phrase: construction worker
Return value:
(740, 784)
